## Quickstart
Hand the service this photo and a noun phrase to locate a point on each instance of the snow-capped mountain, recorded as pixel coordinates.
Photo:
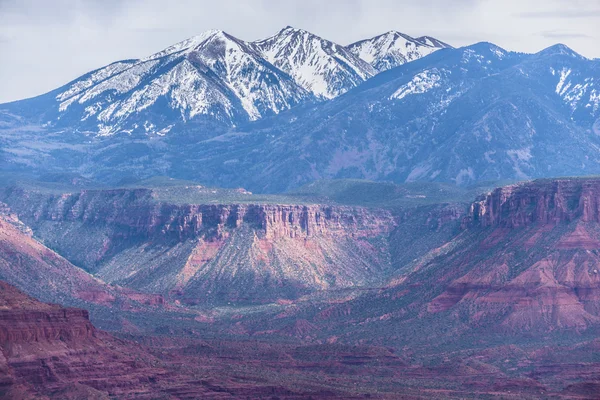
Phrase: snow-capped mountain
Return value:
(204, 84)
(322, 67)
(213, 76)
(458, 115)
(392, 49)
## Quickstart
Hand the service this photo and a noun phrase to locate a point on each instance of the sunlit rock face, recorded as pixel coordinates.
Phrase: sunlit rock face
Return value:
(206, 252)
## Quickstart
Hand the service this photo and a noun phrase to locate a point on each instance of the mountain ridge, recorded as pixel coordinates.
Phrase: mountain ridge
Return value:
(457, 115)
(213, 78)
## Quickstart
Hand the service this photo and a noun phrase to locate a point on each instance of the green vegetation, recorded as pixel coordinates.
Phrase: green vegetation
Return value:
(388, 194)
(352, 192)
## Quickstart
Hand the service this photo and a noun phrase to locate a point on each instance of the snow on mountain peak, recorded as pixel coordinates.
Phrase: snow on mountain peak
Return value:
(212, 74)
(393, 48)
(217, 76)
(320, 66)
(187, 45)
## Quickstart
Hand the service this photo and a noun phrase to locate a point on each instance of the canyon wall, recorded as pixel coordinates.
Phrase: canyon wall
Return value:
(48, 351)
(203, 252)
(55, 350)
(134, 213)
(543, 201)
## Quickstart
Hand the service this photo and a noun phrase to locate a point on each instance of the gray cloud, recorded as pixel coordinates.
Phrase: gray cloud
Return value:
(45, 44)
(564, 35)
(561, 14)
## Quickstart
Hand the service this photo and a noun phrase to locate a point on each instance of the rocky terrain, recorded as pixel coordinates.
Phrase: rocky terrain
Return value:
(51, 352)
(498, 297)
(48, 350)
(520, 259)
(523, 263)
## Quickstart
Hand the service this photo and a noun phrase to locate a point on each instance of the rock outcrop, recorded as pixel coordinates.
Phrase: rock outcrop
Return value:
(522, 264)
(544, 202)
(134, 213)
(41, 272)
(47, 349)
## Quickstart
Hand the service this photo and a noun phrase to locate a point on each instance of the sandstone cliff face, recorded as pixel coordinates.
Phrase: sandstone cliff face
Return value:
(52, 324)
(199, 252)
(544, 202)
(134, 213)
(49, 349)
(509, 272)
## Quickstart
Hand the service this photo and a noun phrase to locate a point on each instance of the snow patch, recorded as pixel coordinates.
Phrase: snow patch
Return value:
(62, 107)
(564, 74)
(498, 53)
(470, 54)
(121, 83)
(487, 155)
(520, 158)
(594, 101)
(420, 83)
(100, 75)
(418, 172)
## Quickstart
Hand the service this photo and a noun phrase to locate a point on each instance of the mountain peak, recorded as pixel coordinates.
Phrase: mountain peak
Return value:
(393, 48)
(189, 44)
(290, 30)
(320, 66)
(208, 33)
(212, 76)
(483, 48)
(395, 35)
(559, 49)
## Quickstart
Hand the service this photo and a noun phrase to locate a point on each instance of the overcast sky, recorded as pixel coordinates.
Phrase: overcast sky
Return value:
(46, 43)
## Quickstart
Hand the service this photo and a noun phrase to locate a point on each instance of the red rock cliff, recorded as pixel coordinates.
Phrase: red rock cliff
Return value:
(135, 213)
(47, 351)
(233, 252)
(542, 201)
